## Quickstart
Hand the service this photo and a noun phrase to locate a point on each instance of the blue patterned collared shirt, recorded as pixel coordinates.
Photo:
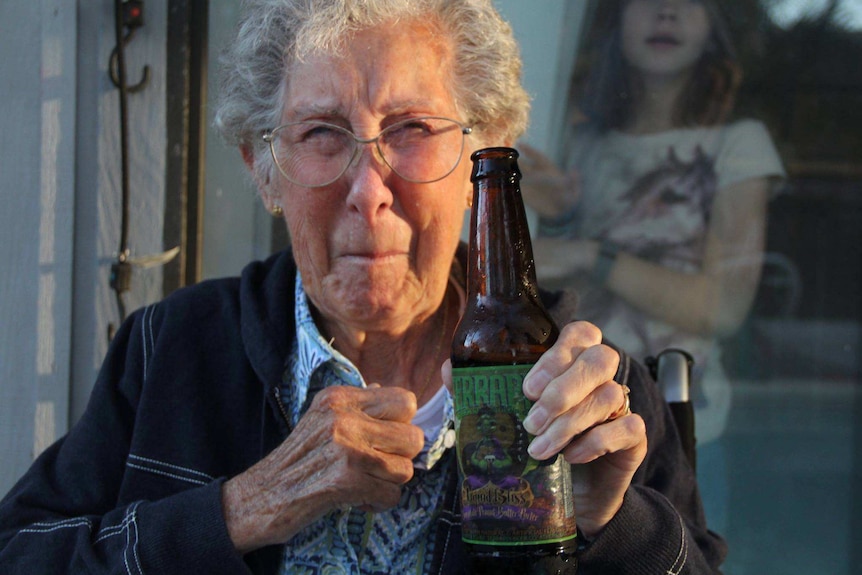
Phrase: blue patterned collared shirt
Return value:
(350, 541)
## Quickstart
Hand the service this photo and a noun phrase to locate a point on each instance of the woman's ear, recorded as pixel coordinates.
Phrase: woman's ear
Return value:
(258, 174)
(260, 177)
(247, 156)
(259, 169)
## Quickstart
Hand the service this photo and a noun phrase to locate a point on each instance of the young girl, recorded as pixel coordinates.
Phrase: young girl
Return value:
(659, 218)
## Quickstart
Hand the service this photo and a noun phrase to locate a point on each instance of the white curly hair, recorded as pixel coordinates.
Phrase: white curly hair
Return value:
(273, 34)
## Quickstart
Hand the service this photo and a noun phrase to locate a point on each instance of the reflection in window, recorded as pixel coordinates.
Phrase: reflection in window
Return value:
(707, 197)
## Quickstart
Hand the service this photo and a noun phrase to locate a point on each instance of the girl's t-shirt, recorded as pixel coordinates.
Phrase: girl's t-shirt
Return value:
(651, 196)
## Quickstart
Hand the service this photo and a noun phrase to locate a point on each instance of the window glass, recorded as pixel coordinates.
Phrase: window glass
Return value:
(704, 194)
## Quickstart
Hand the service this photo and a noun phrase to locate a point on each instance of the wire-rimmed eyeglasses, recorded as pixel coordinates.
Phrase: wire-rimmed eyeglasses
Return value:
(313, 154)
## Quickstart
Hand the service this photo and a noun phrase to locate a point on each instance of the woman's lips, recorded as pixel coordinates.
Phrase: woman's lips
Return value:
(374, 257)
(662, 40)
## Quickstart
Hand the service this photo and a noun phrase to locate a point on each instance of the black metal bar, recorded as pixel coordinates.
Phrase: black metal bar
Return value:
(186, 69)
(198, 43)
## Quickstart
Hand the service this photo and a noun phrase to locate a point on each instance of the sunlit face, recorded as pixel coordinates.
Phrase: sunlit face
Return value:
(664, 38)
(375, 250)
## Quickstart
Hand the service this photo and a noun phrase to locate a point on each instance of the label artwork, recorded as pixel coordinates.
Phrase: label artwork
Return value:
(507, 497)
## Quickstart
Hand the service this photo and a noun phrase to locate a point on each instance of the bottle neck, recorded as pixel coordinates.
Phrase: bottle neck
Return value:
(504, 322)
(499, 233)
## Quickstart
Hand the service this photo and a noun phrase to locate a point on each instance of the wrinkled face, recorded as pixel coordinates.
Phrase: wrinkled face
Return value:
(375, 250)
(664, 37)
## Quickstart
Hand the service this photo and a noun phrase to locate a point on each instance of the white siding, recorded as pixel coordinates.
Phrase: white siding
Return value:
(59, 225)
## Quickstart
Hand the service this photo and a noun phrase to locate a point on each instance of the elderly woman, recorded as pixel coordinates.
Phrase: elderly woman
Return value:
(296, 420)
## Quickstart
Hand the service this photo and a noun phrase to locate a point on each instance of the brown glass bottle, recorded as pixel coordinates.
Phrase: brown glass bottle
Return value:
(517, 513)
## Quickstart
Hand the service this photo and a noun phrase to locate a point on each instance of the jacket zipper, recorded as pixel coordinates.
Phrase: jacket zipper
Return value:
(277, 396)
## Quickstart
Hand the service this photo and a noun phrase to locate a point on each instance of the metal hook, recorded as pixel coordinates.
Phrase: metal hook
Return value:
(114, 68)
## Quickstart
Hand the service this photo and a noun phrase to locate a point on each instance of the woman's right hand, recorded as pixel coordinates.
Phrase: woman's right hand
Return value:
(354, 447)
(546, 188)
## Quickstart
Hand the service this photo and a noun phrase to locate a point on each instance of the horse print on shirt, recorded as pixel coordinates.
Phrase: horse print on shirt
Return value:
(665, 212)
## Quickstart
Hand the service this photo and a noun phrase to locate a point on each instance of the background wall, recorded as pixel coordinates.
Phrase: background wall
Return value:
(37, 40)
(237, 229)
(60, 222)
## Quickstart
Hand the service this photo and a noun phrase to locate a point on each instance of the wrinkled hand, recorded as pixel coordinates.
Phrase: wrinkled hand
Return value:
(354, 447)
(546, 188)
(575, 395)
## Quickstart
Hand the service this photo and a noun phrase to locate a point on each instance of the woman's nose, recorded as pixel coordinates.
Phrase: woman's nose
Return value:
(368, 178)
(668, 9)
(367, 156)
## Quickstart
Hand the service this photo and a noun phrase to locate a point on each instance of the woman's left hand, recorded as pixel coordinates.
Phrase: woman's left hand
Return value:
(581, 412)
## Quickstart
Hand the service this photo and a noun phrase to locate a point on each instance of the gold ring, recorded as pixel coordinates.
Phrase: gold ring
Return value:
(625, 408)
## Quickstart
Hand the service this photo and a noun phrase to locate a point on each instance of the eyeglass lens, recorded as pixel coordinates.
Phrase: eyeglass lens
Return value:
(418, 149)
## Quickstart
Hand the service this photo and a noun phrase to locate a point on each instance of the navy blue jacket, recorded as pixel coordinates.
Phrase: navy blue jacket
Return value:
(187, 397)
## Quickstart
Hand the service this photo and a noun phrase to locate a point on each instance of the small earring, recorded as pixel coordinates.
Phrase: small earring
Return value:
(276, 211)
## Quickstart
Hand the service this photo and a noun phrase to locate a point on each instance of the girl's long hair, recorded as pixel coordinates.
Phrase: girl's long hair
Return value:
(605, 87)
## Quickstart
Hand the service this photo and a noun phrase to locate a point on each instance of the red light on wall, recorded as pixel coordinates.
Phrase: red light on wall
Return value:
(133, 13)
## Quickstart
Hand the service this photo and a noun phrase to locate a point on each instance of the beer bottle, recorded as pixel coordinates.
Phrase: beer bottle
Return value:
(517, 513)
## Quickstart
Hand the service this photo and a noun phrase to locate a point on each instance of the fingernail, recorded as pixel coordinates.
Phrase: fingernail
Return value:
(536, 419)
(538, 447)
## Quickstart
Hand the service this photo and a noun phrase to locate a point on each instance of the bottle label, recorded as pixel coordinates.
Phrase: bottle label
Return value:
(507, 497)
